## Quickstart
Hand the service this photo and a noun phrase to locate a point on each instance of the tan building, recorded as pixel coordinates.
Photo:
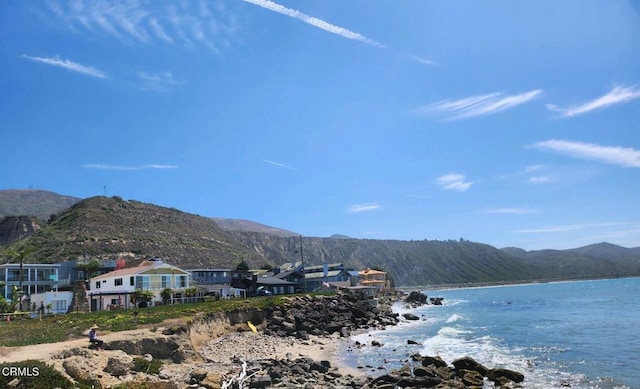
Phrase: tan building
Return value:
(375, 278)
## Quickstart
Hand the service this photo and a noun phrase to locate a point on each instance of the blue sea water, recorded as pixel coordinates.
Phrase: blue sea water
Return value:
(585, 334)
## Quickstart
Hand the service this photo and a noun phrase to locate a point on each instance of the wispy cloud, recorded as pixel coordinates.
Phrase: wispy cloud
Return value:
(622, 156)
(511, 211)
(454, 181)
(124, 167)
(358, 208)
(187, 23)
(319, 23)
(568, 227)
(282, 165)
(160, 81)
(540, 179)
(617, 95)
(479, 105)
(69, 65)
(424, 61)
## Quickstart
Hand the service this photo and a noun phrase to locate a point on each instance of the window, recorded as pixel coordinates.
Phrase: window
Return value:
(182, 281)
(97, 284)
(60, 305)
(132, 281)
(117, 282)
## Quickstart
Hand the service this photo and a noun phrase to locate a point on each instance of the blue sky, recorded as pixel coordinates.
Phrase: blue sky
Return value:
(511, 123)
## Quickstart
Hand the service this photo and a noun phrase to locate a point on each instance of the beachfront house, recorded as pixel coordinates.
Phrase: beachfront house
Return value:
(36, 278)
(51, 302)
(328, 273)
(373, 278)
(117, 289)
(216, 282)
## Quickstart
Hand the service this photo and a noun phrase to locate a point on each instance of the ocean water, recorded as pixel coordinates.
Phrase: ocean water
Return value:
(582, 334)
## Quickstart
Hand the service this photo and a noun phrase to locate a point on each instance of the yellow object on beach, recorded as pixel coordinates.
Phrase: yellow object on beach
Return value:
(253, 328)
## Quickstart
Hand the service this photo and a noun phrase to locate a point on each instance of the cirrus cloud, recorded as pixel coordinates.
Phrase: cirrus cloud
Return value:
(359, 208)
(454, 181)
(479, 105)
(617, 95)
(69, 65)
(613, 155)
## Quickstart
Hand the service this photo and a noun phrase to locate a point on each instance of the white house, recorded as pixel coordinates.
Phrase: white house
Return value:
(114, 290)
(59, 301)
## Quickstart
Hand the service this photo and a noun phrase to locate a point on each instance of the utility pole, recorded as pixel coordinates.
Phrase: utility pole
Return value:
(304, 274)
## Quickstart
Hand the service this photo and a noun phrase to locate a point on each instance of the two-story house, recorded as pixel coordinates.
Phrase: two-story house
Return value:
(116, 289)
(217, 282)
(373, 278)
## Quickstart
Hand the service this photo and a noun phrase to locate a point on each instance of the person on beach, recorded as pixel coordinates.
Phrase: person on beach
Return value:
(93, 337)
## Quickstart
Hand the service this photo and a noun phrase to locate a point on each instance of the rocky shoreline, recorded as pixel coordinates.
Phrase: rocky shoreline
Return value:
(295, 346)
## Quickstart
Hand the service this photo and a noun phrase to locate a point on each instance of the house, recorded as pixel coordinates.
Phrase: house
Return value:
(52, 302)
(36, 278)
(116, 289)
(374, 278)
(316, 276)
(216, 282)
(291, 272)
(275, 285)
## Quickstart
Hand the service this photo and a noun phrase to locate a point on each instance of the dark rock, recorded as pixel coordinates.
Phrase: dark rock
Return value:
(471, 377)
(496, 374)
(409, 341)
(416, 297)
(435, 361)
(375, 343)
(410, 316)
(468, 363)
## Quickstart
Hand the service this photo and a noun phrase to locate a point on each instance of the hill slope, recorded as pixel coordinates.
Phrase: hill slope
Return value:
(111, 227)
(39, 203)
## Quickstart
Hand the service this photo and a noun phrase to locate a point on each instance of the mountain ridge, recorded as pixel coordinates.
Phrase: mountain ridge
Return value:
(112, 227)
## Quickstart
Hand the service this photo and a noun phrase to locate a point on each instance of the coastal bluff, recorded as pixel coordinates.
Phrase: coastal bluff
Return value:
(295, 345)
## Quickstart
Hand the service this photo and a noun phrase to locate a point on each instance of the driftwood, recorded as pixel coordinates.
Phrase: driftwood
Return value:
(239, 382)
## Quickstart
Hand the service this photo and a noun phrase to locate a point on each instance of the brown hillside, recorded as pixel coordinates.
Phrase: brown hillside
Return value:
(109, 227)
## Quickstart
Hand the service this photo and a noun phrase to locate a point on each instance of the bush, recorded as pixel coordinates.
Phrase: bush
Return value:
(145, 366)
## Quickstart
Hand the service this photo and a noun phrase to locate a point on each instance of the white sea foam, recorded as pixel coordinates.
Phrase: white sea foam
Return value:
(455, 317)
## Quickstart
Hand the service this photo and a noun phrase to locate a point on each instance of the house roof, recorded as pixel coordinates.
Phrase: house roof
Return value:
(272, 281)
(371, 271)
(319, 274)
(287, 273)
(144, 267)
(31, 265)
(288, 266)
(310, 269)
(209, 270)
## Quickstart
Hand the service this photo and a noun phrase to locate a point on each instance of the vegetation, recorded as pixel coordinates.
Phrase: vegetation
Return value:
(22, 331)
(89, 267)
(143, 365)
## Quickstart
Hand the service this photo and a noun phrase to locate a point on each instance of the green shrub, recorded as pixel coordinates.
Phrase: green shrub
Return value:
(149, 367)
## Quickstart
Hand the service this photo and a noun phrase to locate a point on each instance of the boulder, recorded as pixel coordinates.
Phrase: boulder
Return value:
(495, 374)
(82, 370)
(410, 316)
(468, 363)
(119, 364)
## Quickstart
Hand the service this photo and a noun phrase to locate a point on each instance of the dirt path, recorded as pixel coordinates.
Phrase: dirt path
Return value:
(47, 351)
